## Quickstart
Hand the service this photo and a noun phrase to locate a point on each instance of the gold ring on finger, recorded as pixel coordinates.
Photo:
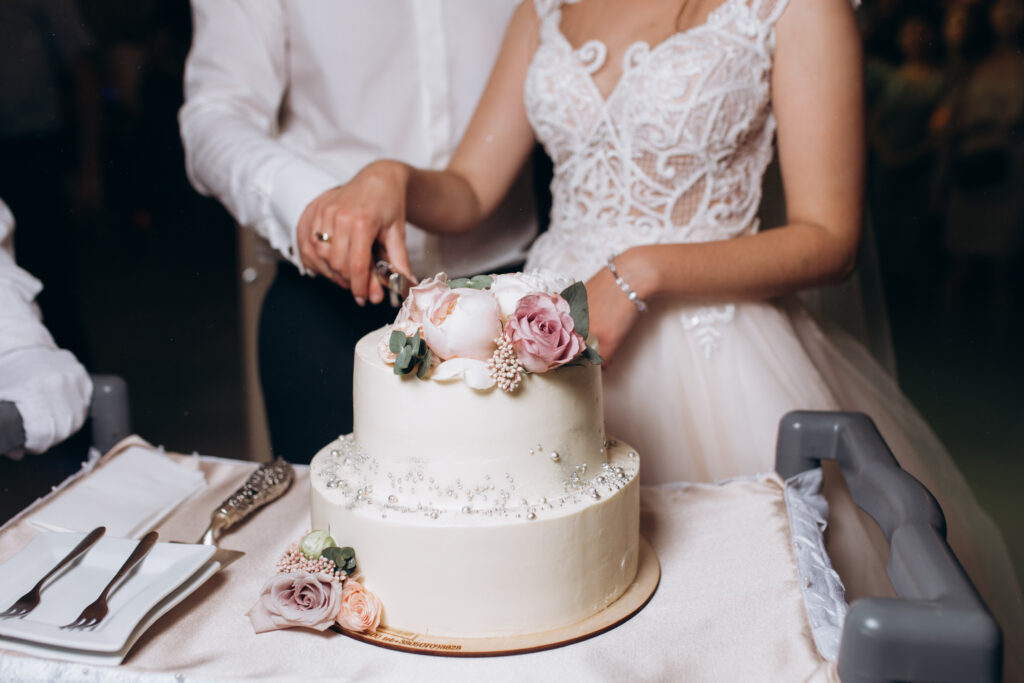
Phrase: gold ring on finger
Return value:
(322, 236)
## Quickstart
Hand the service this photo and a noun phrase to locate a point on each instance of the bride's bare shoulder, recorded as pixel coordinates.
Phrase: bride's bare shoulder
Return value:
(831, 23)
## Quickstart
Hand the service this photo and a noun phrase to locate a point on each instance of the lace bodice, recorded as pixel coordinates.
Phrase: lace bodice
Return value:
(674, 153)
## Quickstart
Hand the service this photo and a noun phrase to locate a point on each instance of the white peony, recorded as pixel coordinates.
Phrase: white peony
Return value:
(509, 288)
(463, 323)
(473, 372)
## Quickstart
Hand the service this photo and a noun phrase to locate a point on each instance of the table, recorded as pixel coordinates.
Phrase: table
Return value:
(729, 607)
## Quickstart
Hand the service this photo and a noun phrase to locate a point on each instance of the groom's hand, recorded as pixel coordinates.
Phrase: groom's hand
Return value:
(338, 230)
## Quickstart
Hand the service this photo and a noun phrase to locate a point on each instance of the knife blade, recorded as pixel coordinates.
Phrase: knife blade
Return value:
(396, 284)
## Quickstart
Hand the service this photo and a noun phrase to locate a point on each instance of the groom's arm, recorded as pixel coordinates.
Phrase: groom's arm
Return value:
(235, 79)
(48, 385)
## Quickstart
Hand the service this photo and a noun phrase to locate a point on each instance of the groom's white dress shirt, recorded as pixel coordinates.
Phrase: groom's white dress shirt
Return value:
(48, 385)
(288, 98)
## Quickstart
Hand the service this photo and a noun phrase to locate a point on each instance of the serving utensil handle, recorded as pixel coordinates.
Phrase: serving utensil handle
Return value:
(265, 485)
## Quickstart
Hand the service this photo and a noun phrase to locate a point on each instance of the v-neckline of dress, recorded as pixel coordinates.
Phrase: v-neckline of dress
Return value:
(598, 45)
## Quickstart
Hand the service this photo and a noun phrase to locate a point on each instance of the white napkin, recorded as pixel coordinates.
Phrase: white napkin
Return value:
(129, 495)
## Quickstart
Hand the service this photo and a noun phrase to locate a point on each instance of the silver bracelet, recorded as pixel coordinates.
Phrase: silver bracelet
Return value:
(626, 289)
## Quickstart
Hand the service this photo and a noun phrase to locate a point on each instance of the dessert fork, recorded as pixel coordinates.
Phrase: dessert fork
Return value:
(94, 613)
(30, 600)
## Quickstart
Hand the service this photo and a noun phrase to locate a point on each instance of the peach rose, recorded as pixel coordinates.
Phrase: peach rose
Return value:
(421, 298)
(297, 599)
(543, 332)
(463, 323)
(360, 609)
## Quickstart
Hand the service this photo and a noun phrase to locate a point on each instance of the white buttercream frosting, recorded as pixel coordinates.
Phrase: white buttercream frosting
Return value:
(481, 513)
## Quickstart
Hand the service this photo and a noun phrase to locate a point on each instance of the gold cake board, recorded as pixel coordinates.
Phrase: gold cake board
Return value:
(638, 594)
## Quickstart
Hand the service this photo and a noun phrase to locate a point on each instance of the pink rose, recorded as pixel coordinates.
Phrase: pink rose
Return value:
(543, 333)
(360, 609)
(421, 298)
(463, 323)
(296, 599)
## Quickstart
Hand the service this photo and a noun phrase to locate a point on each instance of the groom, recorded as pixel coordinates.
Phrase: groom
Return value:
(287, 100)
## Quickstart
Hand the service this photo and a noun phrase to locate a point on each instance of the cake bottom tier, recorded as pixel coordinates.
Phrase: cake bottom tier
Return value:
(490, 575)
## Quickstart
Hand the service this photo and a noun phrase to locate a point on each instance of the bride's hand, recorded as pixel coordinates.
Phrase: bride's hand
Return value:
(612, 314)
(338, 229)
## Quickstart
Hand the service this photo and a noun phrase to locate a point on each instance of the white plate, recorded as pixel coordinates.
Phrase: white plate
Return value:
(165, 568)
(115, 658)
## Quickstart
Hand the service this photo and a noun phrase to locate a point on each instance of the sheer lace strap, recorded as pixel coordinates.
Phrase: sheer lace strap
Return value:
(768, 11)
(547, 7)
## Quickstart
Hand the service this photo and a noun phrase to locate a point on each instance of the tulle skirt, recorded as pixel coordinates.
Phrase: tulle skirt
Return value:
(699, 392)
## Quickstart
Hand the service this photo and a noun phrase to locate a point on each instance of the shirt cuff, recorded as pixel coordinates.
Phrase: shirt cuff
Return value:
(51, 390)
(295, 185)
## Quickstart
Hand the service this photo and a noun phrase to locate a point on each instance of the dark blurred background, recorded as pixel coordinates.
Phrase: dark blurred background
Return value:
(148, 280)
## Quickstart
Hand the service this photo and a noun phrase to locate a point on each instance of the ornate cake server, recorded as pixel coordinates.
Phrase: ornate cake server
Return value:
(265, 485)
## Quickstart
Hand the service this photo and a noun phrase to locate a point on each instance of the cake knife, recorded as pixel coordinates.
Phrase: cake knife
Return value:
(396, 284)
(265, 485)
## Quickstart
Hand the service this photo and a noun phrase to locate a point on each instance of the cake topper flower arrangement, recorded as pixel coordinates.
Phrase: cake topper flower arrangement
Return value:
(316, 587)
(490, 330)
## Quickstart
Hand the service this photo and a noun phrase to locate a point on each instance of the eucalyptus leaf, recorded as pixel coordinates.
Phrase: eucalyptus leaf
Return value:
(592, 355)
(403, 361)
(417, 345)
(480, 281)
(458, 283)
(397, 341)
(424, 365)
(335, 555)
(576, 296)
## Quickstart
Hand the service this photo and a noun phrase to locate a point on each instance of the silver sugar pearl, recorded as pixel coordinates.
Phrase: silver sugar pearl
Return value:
(555, 457)
(466, 509)
(392, 499)
(332, 484)
(531, 515)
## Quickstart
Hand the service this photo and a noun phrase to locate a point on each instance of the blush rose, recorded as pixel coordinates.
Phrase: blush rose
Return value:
(421, 298)
(543, 332)
(360, 609)
(297, 599)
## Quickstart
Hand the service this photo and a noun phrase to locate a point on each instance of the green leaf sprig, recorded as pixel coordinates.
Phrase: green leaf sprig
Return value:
(343, 558)
(411, 354)
(579, 308)
(475, 282)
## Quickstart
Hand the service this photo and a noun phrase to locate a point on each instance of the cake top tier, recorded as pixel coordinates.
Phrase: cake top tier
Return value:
(489, 330)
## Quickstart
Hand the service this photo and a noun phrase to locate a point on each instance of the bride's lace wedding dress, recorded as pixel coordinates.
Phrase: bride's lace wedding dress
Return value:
(676, 153)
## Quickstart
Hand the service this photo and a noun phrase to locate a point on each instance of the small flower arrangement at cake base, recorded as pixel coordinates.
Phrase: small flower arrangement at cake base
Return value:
(489, 330)
(315, 588)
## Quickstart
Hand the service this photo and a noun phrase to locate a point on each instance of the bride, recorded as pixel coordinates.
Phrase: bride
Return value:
(660, 118)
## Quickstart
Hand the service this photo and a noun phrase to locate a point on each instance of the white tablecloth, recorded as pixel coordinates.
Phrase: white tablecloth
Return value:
(729, 606)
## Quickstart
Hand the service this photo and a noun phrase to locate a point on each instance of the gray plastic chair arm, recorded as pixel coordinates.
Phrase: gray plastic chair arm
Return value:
(109, 412)
(938, 629)
(12, 429)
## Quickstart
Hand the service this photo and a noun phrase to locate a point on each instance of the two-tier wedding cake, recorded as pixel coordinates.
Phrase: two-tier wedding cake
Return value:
(478, 487)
